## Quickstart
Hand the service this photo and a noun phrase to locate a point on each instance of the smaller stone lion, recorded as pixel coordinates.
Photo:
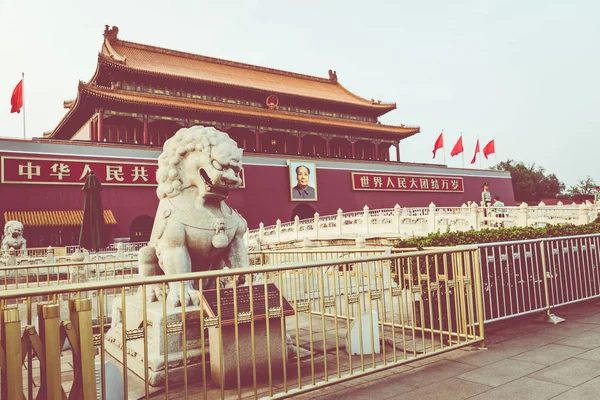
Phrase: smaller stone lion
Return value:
(13, 236)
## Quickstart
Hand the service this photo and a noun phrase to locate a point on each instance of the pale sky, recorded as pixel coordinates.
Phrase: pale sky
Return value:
(524, 72)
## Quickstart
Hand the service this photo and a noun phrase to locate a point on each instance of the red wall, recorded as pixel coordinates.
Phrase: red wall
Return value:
(266, 196)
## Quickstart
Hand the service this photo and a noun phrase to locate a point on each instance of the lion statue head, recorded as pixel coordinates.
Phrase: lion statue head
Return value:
(202, 158)
(13, 236)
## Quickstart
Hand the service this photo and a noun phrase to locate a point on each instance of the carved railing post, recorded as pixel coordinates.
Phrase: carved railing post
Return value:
(522, 216)
(77, 273)
(297, 226)
(464, 211)
(50, 258)
(397, 213)
(120, 252)
(316, 225)
(340, 222)
(278, 230)
(261, 231)
(474, 217)
(431, 225)
(366, 218)
(542, 211)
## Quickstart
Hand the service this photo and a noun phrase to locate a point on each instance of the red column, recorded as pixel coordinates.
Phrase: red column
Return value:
(377, 151)
(327, 152)
(257, 144)
(100, 134)
(353, 150)
(398, 152)
(146, 139)
(93, 129)
(299, 144)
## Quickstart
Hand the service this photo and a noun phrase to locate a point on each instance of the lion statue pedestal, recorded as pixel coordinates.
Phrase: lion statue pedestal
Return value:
(194, 230)
(156, 325)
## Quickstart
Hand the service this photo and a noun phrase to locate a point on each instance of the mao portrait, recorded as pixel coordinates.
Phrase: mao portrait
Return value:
(303, 181)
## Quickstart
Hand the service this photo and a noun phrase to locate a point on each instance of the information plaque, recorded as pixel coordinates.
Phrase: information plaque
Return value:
(277, 305)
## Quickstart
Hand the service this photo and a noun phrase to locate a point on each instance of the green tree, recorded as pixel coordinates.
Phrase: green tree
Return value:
(583, 187)
(530, 182)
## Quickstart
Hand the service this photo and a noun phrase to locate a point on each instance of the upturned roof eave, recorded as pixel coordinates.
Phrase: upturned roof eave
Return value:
(90, 91)
(193, 105)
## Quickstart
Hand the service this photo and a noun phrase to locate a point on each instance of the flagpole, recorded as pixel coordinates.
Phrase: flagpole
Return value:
(495, 152)
(444, 147)
(23, 100)
(463, 152)
(480, 167)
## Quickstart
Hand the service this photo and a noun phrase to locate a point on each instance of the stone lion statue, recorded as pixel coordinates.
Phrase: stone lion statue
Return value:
(13, 236)
(194, 230)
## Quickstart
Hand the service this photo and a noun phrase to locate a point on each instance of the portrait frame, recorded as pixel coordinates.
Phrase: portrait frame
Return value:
(293, 179)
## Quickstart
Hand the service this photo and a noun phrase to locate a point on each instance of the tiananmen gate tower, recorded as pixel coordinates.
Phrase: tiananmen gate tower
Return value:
(141, 95)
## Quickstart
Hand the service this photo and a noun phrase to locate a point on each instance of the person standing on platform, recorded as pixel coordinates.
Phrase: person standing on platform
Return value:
(486, 196)
(486, 199)
(498, 208)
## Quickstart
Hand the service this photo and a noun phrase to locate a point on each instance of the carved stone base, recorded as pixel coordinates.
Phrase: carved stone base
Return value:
(228, 374)
(155, 340)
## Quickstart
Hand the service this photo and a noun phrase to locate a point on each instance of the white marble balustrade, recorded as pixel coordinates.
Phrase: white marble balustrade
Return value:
(404, 222)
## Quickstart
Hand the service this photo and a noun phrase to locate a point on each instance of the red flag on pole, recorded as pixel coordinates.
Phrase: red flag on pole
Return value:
(16, 101)
(489, 149)
(458, 147)
(439, 144)
(476, 151)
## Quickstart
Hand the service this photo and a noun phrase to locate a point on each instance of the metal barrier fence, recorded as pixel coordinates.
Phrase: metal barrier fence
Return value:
(280, 257)
(34, 252)
(39, 275)
(112, 248)
(299, 328)
(529, 276)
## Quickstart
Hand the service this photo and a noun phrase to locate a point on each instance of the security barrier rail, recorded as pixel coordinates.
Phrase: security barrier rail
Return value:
(261, 331)
(26, 274)
(529, 276)
(38, 275)
(308, 255)
(304, 325)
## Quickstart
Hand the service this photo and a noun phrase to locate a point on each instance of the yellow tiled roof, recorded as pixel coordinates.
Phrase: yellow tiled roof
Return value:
(171, 63)
(53, 218)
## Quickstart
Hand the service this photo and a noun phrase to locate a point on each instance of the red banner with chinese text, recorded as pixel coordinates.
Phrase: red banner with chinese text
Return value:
(41, 170)
(406, 183)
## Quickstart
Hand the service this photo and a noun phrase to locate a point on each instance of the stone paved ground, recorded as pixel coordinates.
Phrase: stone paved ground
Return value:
(524, 360)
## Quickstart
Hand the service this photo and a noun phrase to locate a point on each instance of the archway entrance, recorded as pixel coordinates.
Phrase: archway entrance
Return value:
(141, 228)
(303, 211)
